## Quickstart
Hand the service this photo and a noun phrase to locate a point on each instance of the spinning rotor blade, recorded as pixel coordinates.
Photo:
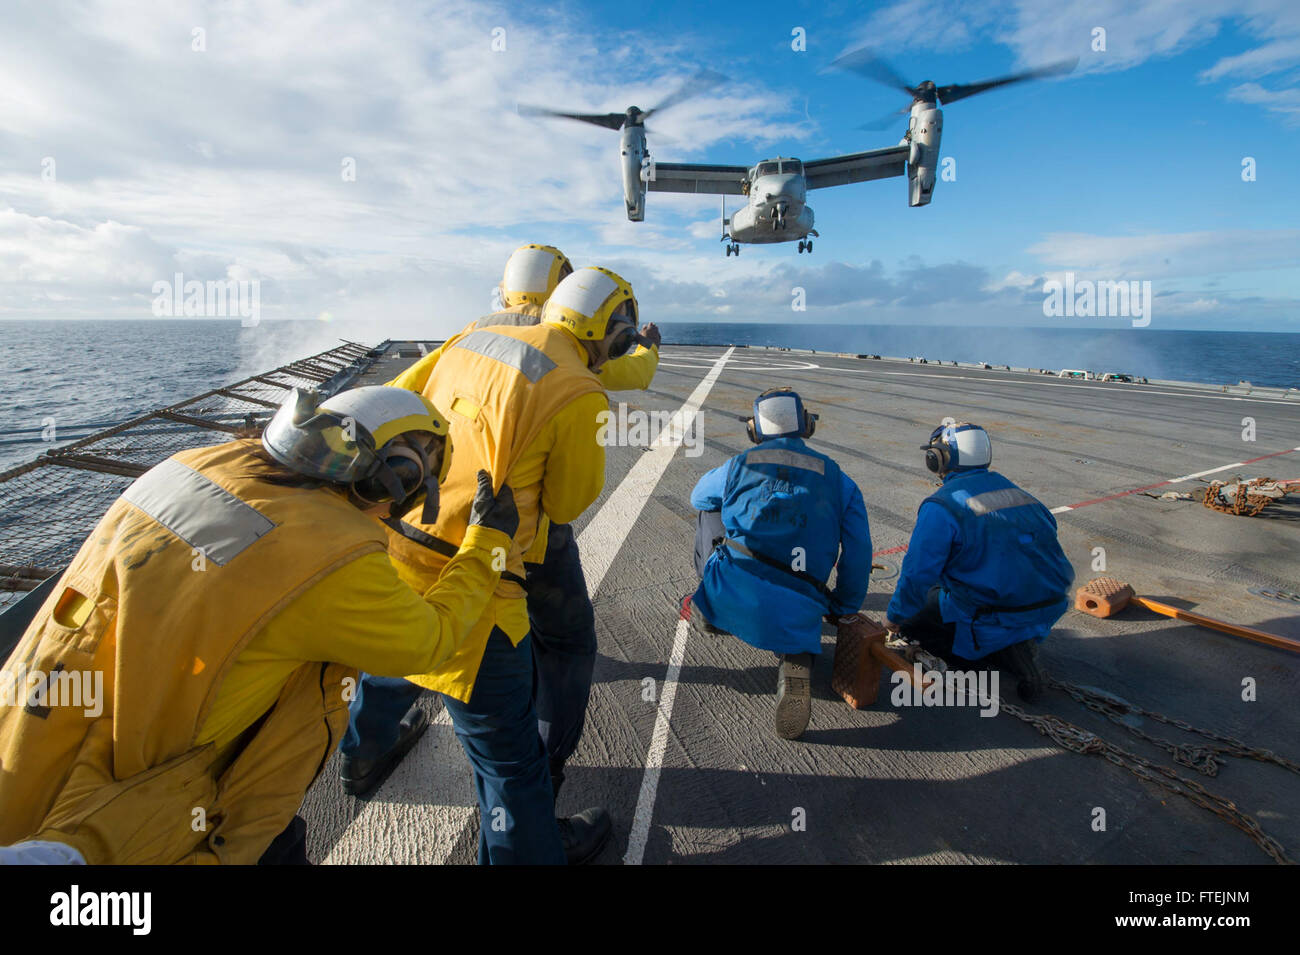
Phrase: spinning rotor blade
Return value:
(701, 82)
(955, 91)
(612, 121)
(888, 119)
(865, 63)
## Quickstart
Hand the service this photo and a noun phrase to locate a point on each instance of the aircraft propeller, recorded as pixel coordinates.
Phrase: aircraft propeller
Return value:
(867, 64)
(701, 82)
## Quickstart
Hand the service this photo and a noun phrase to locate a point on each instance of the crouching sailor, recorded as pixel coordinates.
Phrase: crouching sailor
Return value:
(775, 520)
(229, 597)
(984, 576)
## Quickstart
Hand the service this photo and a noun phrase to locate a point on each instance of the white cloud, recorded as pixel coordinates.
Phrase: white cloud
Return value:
(1168, 255)
(232, 157)
(1285, 102)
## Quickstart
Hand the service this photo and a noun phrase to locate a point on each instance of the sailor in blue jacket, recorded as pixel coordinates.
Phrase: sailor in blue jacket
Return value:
(775, 521)
(984, 576)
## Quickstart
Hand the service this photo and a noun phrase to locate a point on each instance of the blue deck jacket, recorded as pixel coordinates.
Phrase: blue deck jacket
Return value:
(988, 544)
(794, 506)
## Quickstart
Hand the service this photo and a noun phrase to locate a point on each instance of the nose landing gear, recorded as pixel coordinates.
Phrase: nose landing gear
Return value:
(733, 248)
(805, 245)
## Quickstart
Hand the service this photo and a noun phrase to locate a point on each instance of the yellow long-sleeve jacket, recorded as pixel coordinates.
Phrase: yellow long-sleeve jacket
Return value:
(523, 405)
(222, 677)
(631, 372)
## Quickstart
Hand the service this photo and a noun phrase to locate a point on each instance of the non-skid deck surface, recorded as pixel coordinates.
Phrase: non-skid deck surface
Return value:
(695, 773)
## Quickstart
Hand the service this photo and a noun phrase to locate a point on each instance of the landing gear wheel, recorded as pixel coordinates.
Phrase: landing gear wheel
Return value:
(735, 249)
(728, 251)
(802, 244)
(810, 245)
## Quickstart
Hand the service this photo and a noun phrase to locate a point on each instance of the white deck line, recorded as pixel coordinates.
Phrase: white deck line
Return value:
(645, 801)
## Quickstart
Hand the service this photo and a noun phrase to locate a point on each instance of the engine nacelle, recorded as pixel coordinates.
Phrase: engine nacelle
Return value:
(635, 158)
(925, 130)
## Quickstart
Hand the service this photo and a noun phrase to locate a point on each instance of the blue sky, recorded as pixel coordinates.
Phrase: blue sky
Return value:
(224, 162)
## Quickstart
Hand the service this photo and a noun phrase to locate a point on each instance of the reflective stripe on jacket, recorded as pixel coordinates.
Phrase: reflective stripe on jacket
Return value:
(183, 571)
(1004, 555)
(503, 389)
(795, 507)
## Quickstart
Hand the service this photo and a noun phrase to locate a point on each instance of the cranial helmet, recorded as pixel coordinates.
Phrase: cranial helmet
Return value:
(356, 438)
(531, 275)
(779, 413)
(958, 447)
(584, 302)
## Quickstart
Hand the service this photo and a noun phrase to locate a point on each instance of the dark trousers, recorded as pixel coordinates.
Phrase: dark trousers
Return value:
(563, 638)
(708, 532)
(563, 631)
(929, 629)
(374, 715)
(498, 730)
(935, 636)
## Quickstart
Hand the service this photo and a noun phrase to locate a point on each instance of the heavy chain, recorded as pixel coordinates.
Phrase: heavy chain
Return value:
(1243, 503)
(1079, 740)
(1203, 759)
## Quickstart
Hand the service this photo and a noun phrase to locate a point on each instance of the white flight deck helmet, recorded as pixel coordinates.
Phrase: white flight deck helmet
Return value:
(958, 447)
(355, 438)
(598, 306)
(779, 413)
(531, 274)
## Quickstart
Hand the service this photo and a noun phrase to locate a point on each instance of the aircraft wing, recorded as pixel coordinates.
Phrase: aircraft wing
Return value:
(857, 167)
(698, 178)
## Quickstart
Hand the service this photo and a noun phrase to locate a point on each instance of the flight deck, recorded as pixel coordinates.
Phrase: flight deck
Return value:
(679, 743)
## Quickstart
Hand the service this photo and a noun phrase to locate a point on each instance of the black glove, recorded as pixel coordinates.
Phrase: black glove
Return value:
(495, 512)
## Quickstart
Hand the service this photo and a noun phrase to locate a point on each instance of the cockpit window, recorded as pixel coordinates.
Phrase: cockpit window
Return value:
(766, 169)
(792, 167)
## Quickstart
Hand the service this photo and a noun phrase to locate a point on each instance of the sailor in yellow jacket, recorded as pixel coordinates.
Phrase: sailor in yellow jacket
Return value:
(523, 402)
(531, 274)
(224, 604)
(384, 721)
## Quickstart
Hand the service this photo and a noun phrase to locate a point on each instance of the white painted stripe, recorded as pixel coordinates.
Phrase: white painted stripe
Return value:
(645, 802)
(602, 538)
(421, 811)
(1192, 477)
(599, 543)
(1062, 509)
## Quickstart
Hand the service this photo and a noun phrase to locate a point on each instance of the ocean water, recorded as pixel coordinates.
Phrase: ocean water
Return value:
(87, 374)
(1270, 359)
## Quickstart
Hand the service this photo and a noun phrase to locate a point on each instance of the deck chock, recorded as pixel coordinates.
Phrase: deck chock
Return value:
(860, 656)
(1103, 597)
(1106, 596)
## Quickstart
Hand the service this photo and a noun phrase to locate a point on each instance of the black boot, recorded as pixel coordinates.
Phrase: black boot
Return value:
(793, 695)
(359, 776)
(1021, 660)
(584, 834)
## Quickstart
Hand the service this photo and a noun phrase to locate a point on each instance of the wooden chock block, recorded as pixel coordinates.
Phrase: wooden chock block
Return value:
(1103, 597)
(856, 671)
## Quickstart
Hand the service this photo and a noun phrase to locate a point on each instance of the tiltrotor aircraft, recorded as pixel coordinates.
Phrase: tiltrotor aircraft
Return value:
(776, 189)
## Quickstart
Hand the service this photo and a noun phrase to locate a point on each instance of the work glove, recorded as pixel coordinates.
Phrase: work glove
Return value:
(495, 512)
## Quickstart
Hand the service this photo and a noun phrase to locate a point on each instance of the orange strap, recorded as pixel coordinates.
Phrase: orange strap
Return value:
(1248, 633)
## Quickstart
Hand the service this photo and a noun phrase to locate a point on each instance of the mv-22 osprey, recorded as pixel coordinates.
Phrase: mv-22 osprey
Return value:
(776, 189)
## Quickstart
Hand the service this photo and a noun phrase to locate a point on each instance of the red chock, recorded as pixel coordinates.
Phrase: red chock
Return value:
(1103, 597)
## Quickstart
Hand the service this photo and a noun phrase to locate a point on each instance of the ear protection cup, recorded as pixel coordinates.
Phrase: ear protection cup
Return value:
(400, 474)
(622, 342)
(809, 423)
(935, 459)
(749, 429)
